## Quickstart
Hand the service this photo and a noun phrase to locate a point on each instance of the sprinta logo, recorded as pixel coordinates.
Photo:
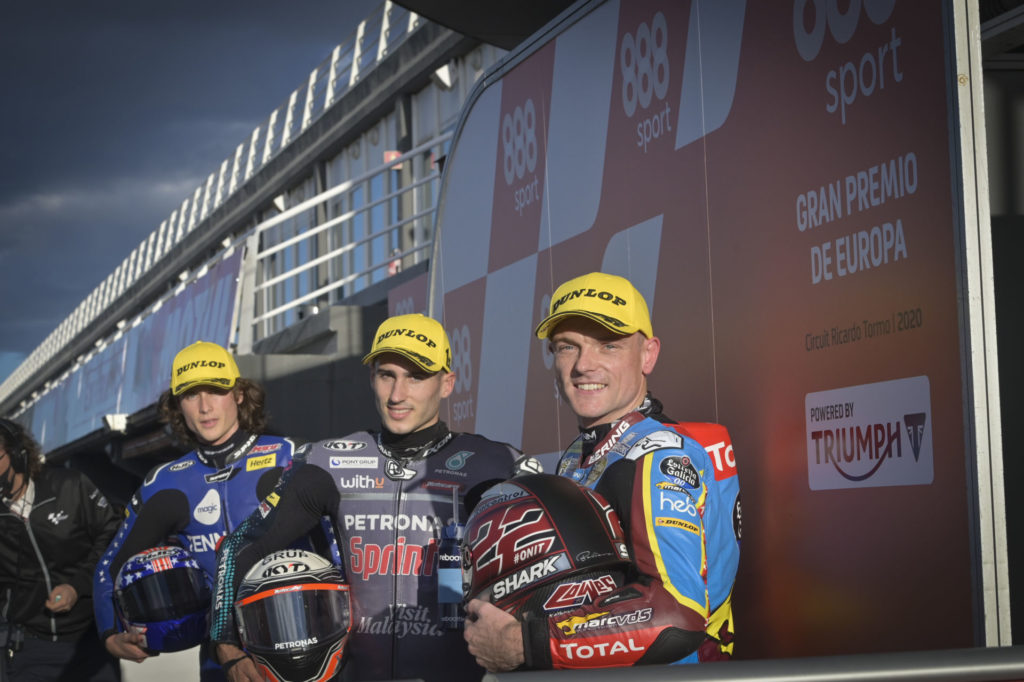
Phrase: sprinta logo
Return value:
(870, 435)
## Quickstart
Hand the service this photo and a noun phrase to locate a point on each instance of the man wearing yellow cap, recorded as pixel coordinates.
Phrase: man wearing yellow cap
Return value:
(673, 486)
(201, 496)
(399, 497)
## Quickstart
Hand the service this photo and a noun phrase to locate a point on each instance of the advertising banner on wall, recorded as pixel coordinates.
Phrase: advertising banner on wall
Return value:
(132, 371)
(776, 178)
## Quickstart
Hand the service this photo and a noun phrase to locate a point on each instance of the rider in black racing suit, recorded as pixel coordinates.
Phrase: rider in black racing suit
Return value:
(390, 492)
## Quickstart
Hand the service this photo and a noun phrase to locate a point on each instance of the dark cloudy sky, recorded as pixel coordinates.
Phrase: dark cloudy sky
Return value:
(113, 113)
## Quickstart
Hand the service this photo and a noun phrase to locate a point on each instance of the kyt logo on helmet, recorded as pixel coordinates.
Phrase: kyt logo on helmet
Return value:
(294, 614)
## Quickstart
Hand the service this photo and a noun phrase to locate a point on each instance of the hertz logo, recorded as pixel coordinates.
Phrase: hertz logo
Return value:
(263, 462)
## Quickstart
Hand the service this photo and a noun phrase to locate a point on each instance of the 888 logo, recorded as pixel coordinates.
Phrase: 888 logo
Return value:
(519, 154)
(644, 67)
(462, 368)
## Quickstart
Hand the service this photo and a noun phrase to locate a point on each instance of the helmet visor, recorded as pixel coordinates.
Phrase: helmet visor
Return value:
(295, 617)
(165, 595)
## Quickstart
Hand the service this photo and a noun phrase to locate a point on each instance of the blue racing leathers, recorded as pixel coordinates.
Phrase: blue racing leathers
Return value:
(675, 489)
(194, 500)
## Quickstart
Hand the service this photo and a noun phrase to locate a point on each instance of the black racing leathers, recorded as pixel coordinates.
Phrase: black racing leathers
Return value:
(389, 507)
(67, 530)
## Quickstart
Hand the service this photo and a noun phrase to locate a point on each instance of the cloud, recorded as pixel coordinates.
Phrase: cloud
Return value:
(122, 111)
(56, 246)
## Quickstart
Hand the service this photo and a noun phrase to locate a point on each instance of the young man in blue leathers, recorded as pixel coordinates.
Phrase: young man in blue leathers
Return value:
(196, 499)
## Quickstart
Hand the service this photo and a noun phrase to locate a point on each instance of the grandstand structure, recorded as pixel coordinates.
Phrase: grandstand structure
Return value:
(286, 253)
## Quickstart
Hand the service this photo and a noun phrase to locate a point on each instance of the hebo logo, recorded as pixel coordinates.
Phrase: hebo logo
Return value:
(682, 504)
(644, 66)
(862, 76)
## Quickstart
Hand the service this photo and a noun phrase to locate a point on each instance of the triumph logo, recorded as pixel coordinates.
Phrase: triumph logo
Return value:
(914, 424)
(870, 435)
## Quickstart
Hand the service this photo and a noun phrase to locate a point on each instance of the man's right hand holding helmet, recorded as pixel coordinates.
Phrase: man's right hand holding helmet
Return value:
(127, 645)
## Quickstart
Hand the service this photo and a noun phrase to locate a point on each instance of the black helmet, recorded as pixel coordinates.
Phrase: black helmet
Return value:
(540, 544)
(294, 613)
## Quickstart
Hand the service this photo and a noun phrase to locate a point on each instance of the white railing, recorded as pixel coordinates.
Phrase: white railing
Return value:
(374, 39)
(330, 260)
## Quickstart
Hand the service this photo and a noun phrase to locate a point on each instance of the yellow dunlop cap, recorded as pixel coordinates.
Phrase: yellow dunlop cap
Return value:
(203, 364)
(609, 300)
(415, 337)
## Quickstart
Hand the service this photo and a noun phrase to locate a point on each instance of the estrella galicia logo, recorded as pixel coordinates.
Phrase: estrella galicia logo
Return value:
(681, 469)
(458, 460)
(396, 472)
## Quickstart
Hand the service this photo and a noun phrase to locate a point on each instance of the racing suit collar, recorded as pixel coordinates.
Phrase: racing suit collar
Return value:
(415, 445)
(219, 456)
(590, 437)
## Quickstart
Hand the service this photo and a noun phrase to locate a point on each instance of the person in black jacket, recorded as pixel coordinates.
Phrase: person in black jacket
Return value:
(54, 525)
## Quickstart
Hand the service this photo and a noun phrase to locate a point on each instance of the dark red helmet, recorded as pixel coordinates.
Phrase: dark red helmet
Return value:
(542, 543)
